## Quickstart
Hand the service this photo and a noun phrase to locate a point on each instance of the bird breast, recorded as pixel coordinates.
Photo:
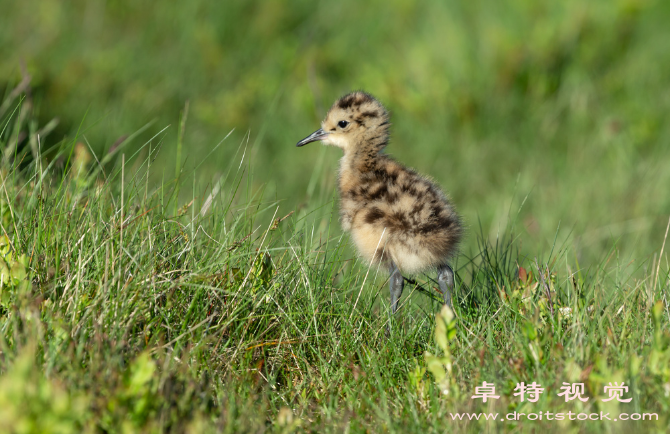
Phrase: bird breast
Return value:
(395, 214)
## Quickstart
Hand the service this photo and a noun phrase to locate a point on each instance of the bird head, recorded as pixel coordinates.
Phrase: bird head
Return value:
(356, 121)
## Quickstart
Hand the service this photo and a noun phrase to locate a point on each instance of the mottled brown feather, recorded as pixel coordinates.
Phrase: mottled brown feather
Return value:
(392, 212)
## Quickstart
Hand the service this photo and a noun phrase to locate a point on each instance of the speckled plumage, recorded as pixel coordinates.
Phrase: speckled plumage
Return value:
(394, 214)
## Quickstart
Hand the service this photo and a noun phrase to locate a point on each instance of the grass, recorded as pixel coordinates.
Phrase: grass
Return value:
(123, 309)
(562, 103)
(170, 262)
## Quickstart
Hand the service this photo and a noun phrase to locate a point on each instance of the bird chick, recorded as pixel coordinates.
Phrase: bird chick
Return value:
(396, 217)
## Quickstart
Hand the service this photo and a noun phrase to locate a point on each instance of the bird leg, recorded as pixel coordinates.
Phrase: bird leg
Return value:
(445, 278)
(396, 283)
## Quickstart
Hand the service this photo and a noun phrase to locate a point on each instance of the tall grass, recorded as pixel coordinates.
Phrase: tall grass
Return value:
(561, 102)
(125, 307)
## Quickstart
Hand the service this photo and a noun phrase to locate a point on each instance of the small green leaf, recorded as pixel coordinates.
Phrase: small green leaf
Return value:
(441, 333)
(657, 312)
(4, 245)
(18, 272)
(435, 367)
(529, 330)
(142, 371)
(447, 314)
(4, 273)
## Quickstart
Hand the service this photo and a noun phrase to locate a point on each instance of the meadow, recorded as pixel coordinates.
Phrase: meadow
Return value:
(171, 262)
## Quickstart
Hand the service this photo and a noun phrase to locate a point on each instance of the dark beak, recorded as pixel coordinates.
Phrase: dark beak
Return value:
(316, 135)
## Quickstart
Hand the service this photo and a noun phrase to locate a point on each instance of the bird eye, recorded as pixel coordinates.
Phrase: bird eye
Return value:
(342, 124)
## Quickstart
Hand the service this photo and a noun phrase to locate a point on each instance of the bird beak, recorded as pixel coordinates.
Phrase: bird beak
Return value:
(316, 135)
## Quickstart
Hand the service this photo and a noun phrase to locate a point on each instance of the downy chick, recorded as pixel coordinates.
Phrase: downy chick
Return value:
(396, 217)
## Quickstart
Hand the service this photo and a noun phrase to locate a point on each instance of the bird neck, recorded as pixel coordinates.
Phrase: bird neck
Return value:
(363, 155)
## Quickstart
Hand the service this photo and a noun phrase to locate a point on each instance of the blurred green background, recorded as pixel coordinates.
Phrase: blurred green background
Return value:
(549, 115)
